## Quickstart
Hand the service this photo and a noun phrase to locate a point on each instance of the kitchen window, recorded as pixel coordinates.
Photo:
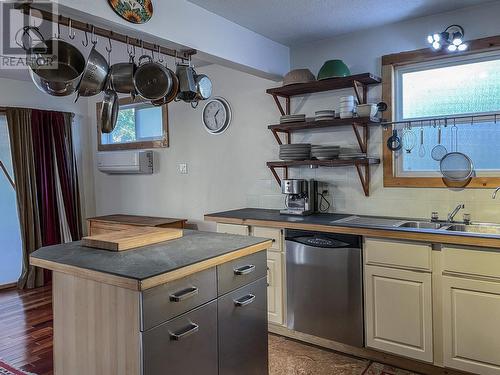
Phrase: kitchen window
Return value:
(139, 125)
(434, 88)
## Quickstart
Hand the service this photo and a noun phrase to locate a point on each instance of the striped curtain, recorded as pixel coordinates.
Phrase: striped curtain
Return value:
(46, 179)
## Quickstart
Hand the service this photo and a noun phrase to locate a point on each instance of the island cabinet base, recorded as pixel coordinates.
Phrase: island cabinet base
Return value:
(96, 328)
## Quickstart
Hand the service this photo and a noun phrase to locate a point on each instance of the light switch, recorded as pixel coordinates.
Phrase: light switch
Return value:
(183, 168)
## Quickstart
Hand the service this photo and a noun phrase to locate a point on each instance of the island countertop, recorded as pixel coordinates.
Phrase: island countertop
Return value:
(148, 266)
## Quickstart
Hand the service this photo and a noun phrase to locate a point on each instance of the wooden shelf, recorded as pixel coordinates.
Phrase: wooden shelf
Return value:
(325, 85)
(362, 166)
(311, 124)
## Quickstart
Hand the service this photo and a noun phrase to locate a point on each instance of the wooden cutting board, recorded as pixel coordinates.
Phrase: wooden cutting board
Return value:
(131, 238)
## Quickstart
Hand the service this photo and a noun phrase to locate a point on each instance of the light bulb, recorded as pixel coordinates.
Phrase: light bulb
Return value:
(436, 45)
(430, 39)
(452, 48)
(462, 47)
(457, 41)
(436, 37)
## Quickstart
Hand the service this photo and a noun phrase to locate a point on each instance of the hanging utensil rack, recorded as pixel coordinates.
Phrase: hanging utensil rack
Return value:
(105, 33)
(448, 120)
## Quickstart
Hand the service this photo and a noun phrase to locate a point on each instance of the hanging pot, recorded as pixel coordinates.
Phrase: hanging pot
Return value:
(109, 111)
(203, 87)
(171, 94)
(187, 83)
(94, 76)
(121, 78)
(56, 67)
(152, 80)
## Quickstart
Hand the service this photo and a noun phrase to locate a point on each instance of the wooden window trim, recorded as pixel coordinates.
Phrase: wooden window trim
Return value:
(158, 143)
(389, 63)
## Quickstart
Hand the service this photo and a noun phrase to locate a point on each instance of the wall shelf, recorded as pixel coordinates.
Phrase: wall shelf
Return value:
(360, 125)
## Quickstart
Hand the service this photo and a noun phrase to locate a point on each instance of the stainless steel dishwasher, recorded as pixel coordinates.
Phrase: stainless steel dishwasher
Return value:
(325, 285)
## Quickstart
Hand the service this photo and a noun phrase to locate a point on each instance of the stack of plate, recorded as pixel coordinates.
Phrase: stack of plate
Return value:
(292, 118)
(325, 115)
(351, 153)
(300, 151)
(347, 106)
(325, 152)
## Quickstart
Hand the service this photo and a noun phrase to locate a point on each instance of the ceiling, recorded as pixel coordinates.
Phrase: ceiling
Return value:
(298, 21)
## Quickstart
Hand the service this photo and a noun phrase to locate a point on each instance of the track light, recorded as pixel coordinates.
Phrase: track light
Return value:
(452, 37)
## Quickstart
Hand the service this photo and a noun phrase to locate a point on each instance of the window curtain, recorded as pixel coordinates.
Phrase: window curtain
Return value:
(46, 183)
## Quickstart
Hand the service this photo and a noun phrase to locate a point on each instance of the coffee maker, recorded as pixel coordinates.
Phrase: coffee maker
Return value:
(300, 198)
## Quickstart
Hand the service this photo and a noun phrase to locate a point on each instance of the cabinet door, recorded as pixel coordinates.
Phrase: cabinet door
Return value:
(243, 230)
(471, 318)
(275, 287)
(398, 308)
(242, 319)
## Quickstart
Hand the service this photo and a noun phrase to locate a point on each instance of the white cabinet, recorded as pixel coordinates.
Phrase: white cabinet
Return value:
(398, 311)
(471, 317)
(243, 230)
(275, 287)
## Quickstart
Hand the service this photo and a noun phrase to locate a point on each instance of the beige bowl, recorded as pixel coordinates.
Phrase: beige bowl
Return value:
(298, 76)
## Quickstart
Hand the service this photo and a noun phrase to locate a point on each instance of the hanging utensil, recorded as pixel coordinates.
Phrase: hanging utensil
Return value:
(421, 150)
(394, 142)
(439, 151)
(109, 111)
(456, 166)
(409, 138)
(173, 88)
(95, 74)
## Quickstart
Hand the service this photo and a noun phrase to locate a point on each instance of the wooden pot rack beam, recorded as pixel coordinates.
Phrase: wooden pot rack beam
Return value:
(105, 33)
(360, 125)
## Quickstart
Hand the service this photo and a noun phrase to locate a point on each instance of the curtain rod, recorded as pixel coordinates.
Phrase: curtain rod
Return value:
(105, 33)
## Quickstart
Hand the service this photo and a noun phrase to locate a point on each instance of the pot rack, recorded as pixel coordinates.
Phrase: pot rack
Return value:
(105, 33)
(445, 121)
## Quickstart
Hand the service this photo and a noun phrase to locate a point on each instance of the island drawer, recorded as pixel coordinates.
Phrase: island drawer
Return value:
(234, 274)
(167, 301)
(184, 345)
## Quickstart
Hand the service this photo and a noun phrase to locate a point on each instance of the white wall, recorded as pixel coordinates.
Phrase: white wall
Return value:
(226, 171)
(362, 53)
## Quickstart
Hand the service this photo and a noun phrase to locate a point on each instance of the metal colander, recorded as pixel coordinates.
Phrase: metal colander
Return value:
(456, 166)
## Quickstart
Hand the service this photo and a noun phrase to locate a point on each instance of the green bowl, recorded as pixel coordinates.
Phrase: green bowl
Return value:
(333, 68)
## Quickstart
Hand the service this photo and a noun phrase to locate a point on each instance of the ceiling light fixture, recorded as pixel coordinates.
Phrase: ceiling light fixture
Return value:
(452, 36)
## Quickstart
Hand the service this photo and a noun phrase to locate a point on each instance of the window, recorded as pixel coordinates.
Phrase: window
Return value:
(10, 236)
(440, 86)
(139, 125)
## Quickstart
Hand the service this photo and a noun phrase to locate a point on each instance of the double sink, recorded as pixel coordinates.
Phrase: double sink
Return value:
(467, 228)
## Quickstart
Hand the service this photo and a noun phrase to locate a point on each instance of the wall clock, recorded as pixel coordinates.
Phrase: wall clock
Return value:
(216, 115)
(134, 11)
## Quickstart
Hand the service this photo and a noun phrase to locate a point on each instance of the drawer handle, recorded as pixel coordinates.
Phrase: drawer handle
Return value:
(184, 294)
(245, 300)
(244, 270)
(192, 328)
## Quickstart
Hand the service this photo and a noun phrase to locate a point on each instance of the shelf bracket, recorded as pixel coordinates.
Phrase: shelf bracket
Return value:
(278, 139)
(364, 177)
(280, 107)
(362, 138)
(276, 176)
(360, 91)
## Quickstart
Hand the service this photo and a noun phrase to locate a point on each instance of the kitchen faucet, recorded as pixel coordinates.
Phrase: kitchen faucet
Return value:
(453, 213)
(495, 193)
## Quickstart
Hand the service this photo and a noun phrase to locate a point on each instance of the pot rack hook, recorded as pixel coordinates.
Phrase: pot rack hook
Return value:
(86, 42)
(58, 35)
(71, 32)
(109, 48)
(93, 37)
(160, 58)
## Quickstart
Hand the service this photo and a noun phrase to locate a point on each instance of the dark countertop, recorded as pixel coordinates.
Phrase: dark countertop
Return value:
(374, 225)
(148, 261)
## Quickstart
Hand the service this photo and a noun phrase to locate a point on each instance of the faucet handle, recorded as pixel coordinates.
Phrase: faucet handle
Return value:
(467, 219)
(434, 216)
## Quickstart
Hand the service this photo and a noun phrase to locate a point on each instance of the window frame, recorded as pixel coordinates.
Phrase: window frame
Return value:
(162, 142)
(427, 55)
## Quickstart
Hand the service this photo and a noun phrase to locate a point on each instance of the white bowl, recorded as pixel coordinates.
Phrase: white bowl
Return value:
(367, 110)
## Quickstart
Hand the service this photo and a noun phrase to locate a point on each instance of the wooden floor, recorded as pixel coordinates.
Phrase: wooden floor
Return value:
(26, 343)
(26, 329)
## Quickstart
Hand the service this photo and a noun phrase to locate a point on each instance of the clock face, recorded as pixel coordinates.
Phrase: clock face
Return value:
(216, 115)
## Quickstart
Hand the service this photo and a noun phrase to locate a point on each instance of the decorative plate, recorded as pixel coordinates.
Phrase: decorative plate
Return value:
(134, 11)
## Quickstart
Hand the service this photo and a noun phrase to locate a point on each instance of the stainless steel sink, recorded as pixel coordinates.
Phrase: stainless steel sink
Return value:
(474, 228)
(420, 225)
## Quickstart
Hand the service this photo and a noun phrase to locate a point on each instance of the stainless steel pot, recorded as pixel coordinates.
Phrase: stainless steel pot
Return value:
(203, 87)
(171, 94)
(109, 111)
(95, 75)
(59, 70)
(152, 80)
(187, 83)
(121, 78)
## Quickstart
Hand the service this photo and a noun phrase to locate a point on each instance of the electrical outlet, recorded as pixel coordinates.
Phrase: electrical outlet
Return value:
(183, 168)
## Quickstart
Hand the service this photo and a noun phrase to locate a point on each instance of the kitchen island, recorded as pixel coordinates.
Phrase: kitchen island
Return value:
(196, 304)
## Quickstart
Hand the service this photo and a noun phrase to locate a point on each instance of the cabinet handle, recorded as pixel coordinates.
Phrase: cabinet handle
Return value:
(244, 270)
(184, 294)
(192, 328)
(245, 300)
